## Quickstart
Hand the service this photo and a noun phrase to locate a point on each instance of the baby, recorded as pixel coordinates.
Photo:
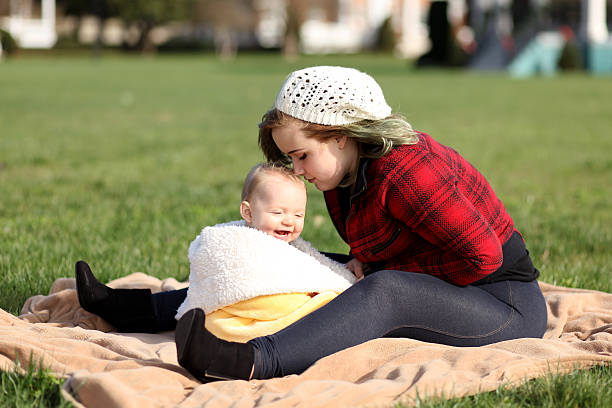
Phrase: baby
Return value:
(256, 276)
(274, 201)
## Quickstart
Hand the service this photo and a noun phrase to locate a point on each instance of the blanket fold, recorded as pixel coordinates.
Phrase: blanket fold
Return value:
(140, 370)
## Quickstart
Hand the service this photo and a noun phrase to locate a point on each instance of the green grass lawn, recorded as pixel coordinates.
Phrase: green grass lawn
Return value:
(122, 160)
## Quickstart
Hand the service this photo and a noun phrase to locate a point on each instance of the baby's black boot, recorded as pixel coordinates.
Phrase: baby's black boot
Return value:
(129, 310)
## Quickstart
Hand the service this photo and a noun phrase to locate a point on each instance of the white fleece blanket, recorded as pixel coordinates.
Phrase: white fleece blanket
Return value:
(231, 263)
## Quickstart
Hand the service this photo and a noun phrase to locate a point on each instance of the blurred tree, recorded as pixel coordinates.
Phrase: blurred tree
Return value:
(147, 14)
(78, 8)
(385, 37)
(144, 14)
(227, 18)
(296, 13)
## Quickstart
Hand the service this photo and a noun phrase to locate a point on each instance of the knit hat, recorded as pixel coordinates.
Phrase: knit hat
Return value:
(332, 96)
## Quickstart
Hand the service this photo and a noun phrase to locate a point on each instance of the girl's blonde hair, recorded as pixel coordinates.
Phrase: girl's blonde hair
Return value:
(260, 170)
(375, 138)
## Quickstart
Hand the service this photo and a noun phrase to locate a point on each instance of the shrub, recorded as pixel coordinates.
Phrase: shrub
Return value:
(185, 44)
(385, 37)
(9, 45)
(570, 58)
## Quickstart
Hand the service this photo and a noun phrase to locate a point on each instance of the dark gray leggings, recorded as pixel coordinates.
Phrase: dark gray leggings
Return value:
(404, 304)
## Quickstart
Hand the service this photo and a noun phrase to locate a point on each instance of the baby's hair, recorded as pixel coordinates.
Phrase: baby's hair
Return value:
(374, 137)
(262, 169)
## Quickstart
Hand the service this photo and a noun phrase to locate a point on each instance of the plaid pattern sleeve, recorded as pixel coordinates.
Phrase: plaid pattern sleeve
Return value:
(427, 209)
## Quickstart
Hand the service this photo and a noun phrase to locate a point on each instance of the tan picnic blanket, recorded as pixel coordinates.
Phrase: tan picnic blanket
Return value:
(140, 370)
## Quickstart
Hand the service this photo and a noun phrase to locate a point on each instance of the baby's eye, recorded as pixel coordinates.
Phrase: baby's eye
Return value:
(302, 157)
(299, 215)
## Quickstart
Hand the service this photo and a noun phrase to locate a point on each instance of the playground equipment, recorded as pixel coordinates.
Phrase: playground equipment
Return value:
(542, 54)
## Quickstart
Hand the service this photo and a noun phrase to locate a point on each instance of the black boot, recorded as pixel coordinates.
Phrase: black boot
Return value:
(207, 357)
(129, 310)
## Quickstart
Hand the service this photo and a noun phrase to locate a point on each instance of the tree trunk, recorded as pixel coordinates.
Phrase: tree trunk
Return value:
(145, 44)
(225, 43)
(291, 41)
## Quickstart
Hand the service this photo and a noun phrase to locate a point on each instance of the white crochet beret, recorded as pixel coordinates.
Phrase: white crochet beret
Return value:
(332, 96)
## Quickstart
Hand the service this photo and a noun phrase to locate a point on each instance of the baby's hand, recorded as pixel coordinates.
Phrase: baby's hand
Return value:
(355, 266)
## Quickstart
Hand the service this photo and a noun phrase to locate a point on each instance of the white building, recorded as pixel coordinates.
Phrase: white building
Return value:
(31, 23)
(353, 28)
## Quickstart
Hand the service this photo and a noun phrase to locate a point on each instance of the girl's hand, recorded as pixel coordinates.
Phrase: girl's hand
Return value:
(355, 266)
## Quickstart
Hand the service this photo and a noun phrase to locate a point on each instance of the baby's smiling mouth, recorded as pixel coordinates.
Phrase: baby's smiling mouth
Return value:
(282, 232)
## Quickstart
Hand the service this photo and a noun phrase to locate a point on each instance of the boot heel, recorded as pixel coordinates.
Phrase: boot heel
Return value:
(205, 356)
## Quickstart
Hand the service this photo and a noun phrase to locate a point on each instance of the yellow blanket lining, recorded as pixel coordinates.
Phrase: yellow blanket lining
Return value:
(263, 315)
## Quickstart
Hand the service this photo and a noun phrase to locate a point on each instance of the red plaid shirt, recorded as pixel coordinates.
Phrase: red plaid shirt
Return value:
(423, 208)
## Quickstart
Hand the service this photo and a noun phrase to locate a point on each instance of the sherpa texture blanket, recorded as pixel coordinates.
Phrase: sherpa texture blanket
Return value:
(140, 370)
(250, 284)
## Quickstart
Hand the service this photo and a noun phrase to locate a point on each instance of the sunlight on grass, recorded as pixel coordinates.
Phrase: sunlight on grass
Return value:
(580, 388)
(122, 161)
(31, 386)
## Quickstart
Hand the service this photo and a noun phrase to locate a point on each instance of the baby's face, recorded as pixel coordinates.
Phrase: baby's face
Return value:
(277, 207)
